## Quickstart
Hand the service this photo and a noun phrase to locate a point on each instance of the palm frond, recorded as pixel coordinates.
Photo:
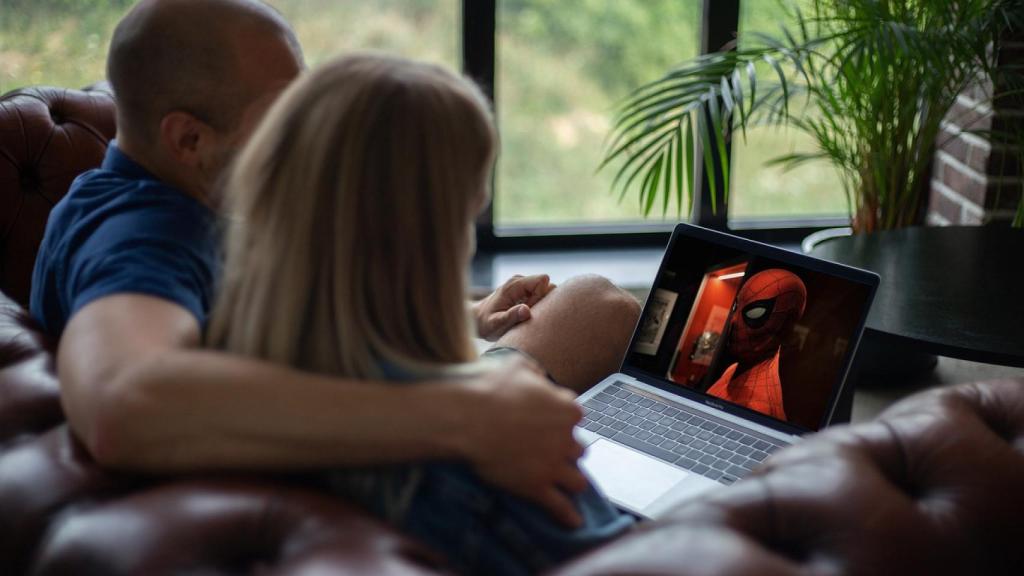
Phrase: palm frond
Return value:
(874, 77)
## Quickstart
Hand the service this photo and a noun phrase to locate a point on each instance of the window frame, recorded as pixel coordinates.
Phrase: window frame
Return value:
(720, 20)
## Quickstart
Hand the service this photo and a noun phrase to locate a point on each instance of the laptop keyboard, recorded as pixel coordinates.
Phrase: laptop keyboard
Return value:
(670, 431)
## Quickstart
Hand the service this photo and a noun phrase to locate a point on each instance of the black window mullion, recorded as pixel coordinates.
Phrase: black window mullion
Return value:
(479, 31)
(479, 18)
(720, 22)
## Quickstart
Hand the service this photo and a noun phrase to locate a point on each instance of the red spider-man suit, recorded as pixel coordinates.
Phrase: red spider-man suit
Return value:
(767, 307)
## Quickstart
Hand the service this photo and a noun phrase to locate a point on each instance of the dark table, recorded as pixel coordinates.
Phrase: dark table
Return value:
(954, 291)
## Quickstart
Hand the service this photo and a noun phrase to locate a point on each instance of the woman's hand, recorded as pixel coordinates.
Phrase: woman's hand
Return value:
(510, 304)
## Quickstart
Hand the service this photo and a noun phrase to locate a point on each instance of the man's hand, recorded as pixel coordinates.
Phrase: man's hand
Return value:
(521, 440)
(510, 304)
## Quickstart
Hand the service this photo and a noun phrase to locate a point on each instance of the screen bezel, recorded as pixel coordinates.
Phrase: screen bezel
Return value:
(789, 258)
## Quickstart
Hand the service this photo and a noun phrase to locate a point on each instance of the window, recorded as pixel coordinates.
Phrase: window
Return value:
(760, 191)
(423, 29)
(64, 42)
(561, 68)
(55, 42)
(557, 68)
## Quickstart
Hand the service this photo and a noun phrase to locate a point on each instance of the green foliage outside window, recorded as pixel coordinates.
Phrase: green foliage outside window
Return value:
(562, 66)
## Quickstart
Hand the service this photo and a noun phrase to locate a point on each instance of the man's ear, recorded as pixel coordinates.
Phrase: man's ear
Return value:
(182, 136)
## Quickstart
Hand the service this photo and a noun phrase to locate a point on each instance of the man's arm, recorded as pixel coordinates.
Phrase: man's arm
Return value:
(140, 394)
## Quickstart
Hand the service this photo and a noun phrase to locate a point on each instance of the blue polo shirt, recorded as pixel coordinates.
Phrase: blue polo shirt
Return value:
(119, 230)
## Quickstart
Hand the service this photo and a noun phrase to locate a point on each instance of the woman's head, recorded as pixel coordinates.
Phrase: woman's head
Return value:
(351, 217)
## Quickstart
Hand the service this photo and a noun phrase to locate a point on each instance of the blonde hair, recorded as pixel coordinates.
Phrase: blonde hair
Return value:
(351, 213)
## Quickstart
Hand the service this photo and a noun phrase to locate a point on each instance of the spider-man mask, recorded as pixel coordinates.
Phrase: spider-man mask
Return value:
(767, 307)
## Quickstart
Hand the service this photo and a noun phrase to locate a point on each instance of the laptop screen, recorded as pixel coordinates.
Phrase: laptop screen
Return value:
(754, 326)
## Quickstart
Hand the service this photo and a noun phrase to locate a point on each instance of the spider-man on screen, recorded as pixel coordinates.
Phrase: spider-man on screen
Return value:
(765, 333)
(767, 307)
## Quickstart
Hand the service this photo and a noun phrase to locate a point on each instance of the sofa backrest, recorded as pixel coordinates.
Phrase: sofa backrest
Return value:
(48, 136)
(61, 514)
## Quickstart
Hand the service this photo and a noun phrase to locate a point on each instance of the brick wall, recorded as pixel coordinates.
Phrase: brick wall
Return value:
(975, 181)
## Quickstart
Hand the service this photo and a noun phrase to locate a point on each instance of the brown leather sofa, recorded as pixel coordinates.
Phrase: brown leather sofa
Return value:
(933, 486)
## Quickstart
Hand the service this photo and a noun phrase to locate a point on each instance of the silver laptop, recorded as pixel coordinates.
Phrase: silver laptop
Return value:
(741, 349)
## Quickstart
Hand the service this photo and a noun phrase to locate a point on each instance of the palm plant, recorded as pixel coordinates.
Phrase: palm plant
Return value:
(873, 80)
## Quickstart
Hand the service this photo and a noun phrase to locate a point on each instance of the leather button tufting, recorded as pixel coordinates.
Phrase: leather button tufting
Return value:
(28, 179)
(38, 160)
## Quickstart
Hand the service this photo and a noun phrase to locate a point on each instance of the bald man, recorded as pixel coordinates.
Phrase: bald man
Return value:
(126, 273)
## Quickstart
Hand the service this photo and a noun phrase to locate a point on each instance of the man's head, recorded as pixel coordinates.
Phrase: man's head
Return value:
(192, 79)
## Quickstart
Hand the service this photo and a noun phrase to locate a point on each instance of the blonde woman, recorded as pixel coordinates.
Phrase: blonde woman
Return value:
(353, 209)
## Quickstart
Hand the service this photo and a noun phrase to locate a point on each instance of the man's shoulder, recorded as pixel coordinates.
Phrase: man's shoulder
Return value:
(108, 192)
(118, 233)
(104, 207)
(119, 200)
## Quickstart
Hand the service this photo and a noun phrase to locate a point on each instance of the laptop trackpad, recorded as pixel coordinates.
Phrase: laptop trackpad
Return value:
(628, 478)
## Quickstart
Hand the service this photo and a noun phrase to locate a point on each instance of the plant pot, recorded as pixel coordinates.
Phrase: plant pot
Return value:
(815, 238)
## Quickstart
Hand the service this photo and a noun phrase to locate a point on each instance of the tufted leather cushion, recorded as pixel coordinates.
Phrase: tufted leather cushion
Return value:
(62, 514)
(226, 527)
(41, 478)
(934, 486)
(47, 137)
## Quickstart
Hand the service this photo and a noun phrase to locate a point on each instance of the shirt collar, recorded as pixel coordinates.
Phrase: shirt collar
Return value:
(117, 161)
